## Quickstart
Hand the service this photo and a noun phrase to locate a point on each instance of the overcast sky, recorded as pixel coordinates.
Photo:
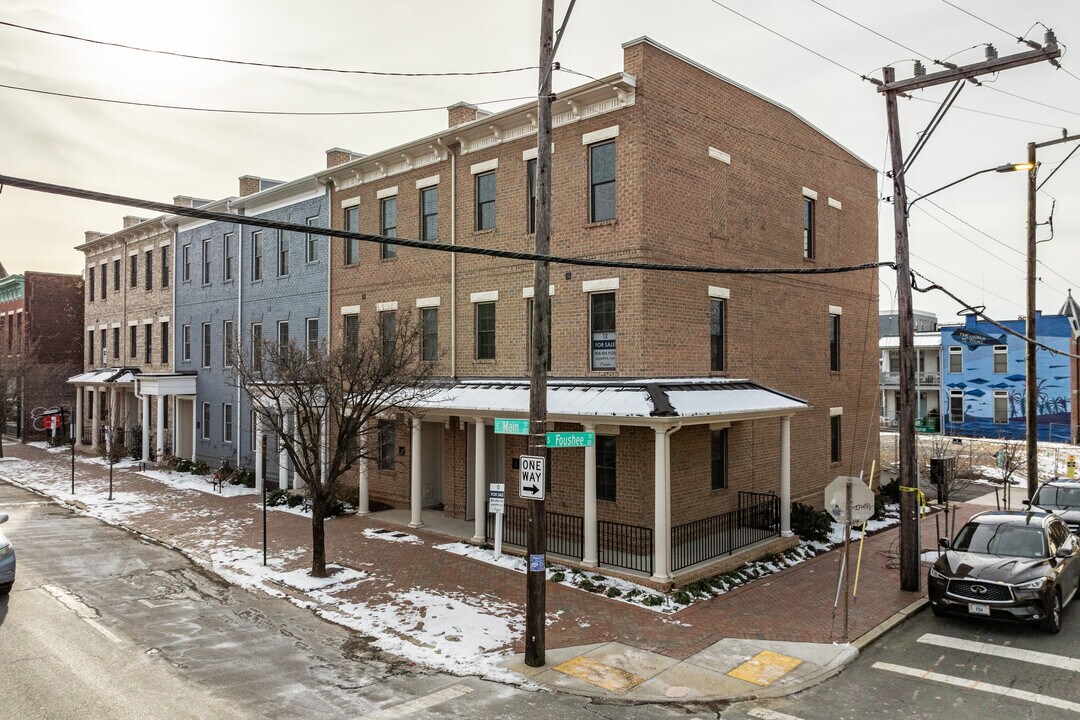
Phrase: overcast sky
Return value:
(974, 245)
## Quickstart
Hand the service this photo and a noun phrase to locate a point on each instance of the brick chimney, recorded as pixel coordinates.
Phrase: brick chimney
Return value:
(461, 113)
(130, 220)
(92, 235)
(339, 156)
(182, 200)
(249, 185)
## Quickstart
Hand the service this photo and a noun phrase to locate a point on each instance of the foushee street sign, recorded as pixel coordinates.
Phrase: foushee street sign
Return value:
(532, 477)
(862, 500)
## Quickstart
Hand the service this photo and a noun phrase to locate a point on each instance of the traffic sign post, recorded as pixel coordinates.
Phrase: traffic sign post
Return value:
(497, 505)
(848, 500)
(505, 426)
(531, 477)
(570, 439)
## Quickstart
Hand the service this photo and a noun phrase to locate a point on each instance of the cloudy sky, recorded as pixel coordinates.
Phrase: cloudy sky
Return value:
(972, 242)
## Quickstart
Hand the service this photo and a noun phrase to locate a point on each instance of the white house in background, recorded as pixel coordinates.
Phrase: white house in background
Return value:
(927, 380)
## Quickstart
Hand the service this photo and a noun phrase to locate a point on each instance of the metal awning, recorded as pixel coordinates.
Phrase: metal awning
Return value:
(112, 376)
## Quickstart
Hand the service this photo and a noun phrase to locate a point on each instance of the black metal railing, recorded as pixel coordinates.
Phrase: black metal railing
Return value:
(757, 518)
(625, 546)
(565, 533)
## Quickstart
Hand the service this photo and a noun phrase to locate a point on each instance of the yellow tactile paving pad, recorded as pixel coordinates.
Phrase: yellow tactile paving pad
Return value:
(765, 668)
(610, 678)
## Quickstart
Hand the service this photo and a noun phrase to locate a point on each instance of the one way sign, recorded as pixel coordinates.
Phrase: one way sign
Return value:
(532, 477)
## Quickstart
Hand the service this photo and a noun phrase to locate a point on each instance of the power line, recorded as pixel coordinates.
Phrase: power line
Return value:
(984, 112)
(983, 20)
(1047, 179)
(1027, 99)
(232, 111)
(198, 213)
(969, 282)
(278, 66)
(870, 30)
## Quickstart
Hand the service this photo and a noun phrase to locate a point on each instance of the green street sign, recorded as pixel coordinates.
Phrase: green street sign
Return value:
(570, 439)
(504, 426)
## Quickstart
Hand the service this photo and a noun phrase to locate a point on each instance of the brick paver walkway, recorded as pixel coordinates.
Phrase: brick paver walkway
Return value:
(793, 605)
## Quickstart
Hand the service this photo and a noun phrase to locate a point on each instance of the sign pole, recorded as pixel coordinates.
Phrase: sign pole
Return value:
(71, 432)
(847, 553)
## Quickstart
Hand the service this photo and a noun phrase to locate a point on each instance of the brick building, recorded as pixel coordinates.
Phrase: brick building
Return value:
(699, 388)
(40, 331)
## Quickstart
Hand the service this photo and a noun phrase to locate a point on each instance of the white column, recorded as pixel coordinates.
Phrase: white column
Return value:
(362, 506)
(194, 424)
(282, 456)
(591, 554)
(175, 425)
(297, 482)
(785, 477)
(480, 489)
(159, 447)
(95, 415)
(414, 473)
(112, 419)
(324, 448)
(145, 422)
(259, 479)
(661, 518)
(78, 413)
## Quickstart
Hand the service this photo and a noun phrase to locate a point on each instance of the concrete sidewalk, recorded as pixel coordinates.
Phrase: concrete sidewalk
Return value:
(773, 636)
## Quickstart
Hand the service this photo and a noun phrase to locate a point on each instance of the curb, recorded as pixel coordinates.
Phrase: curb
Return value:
(896, 619)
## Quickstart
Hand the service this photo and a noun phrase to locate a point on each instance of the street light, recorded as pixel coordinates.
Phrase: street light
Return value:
(1016, 167)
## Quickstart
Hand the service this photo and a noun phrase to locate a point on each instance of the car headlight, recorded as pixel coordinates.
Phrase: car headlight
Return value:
(5, 550)
(935, 574)
(1032, 585)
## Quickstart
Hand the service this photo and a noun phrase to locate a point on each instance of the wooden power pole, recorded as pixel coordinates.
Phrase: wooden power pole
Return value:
(910, 575)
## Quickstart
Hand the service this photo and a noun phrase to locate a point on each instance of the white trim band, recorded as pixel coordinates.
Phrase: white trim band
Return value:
(597, 285)
(350, 310)
(807, 192)
(719, 293)
(599, 135)
(833, 412)
(528, 292)
(427, 182)
(833, 202)
(428, 302)
(720, 155)
(386, 306)
(489, 296)
(482, 167)
(350, 202)
(836, 310)
(386, 192)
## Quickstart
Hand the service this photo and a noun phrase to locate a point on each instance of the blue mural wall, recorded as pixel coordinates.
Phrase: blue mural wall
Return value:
(979, 382)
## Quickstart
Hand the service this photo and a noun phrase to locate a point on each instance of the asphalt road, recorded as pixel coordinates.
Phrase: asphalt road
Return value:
(102, 624)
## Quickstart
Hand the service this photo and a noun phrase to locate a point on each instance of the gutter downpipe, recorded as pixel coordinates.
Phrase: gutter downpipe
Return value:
(453, 256)
(238, 332)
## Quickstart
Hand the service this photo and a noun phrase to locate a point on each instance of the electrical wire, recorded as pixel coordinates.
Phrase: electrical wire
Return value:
(198, 213)
(963, 279)
(209, 58)
(984, 112)
(232, 111)
(871, 30)
(985, 21)
(1047, 178)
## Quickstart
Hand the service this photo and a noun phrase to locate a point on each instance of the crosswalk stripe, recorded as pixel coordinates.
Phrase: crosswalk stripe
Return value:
(407, 709)
(1010, 653)
(980, 686)
(767, 714)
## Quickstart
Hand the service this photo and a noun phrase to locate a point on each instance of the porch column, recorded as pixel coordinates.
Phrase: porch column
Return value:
(480, 483)
(785, 477)
(194, 424)
(95, 415)
(297, 483)
(282, 456)
(259, 479)
(78, 413)
(145, 422)
(590, 555)
(661, 517)
(112, 419)
(159, 447)
(362, 505)
(414, 473)
(324, 448)
(175, 425)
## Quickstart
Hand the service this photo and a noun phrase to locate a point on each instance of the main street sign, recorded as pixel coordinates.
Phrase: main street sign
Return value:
(531, 477)
(505, 426)
(570, 439)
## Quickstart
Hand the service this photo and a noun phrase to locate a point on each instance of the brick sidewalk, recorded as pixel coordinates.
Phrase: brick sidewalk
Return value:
(794, 605)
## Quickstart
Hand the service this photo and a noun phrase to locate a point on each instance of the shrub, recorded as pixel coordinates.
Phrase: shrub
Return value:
(294, 499)
(682, 597)
(558, 577)
(613, 592)
(276, 497)
(200, 468)
(810, 524)
(184, 465)
(587, 585)
(631, 594)
(891, 490)
(652, 601)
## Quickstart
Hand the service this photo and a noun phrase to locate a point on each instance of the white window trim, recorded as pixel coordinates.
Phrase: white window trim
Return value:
(833, 412)
(146, 321)
(205, 429)
(130, 323)
(427, 182)
(483, 167)
(391, 191)
(836, 310)
(589, 286)
(720, 155)
(386, 306)
(163, 318)
(428, 302)
(719, 293)
(350, 309)
(482, 297)
(132, 253)
(808, 193)
(350, 202)
(533, 153)
(528, 292)
(833, 202)
(596, 136)
(115, 325)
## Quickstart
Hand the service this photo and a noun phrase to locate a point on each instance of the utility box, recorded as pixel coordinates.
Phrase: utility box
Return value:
(942, 473)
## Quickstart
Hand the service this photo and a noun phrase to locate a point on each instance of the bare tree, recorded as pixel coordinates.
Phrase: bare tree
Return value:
(953, 481)
(324, 403)
(19, 375)
(1011, 459)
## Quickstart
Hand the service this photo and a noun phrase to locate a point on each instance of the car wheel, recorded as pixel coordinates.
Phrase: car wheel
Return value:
(938, 611)
(1052, 622)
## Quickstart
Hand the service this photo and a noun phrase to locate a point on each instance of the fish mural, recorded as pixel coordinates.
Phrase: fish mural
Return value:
(1016, 378)
(973, 338)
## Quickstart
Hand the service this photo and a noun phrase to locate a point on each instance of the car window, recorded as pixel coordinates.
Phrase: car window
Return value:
(1068, 497)
(1058, 497)
(1002, 539)
(1059, 535)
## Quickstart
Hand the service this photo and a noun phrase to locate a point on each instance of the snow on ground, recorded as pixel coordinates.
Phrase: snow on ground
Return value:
(202, 483)
(392, 536)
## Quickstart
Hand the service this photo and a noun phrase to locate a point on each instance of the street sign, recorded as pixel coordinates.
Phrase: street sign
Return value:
(505, 426)
(496, 497)
(862, 500)
(1070, 467)
(570, 439)
(532, 477)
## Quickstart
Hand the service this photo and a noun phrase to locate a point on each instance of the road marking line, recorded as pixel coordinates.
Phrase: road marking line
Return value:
(767, 714)
(1011, 653)
(83, 611)
(103, 630)
(979, 685)
(408, 708)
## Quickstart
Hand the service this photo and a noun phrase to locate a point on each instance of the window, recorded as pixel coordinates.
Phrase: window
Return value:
(149, 271)
(602, 330)
(133, 341)
(530, 305)
(602, 182)
(485, 331)
(530, 191)
(388, 224)
(387, 331)
(834, 342)
(312, 336)
(104, 281)
(429, 338)
(227, 263)
(283, 335)
(719, 459)
(186, 258)
(386, 445)
(351, 331)
(311, 241)
(1001, 407)
(165, 267)
(164, 343)
(226, 422)
(93, 287)
(1001, 358)
(206, 345)
(956, 359)
(808, 238)
(206, 421)
(148, 342)
(717, 325)
(104, 347)
(256, 346)
(605, 467)
(956, 406)
(116, 343)
(185, 339)
(116, 275)
(89, 345)
(228, 343)
(206, 262)
(282, 254)
(133, 270)
(352, 245)
(429, 213)
(834, 438)
(256, 255)
(485, 201)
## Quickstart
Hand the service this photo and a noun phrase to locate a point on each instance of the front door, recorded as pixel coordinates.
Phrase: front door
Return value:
(431, 436)
(494, 458)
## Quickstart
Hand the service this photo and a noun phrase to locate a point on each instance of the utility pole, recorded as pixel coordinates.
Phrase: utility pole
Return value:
(910, 575)
(536, 540)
